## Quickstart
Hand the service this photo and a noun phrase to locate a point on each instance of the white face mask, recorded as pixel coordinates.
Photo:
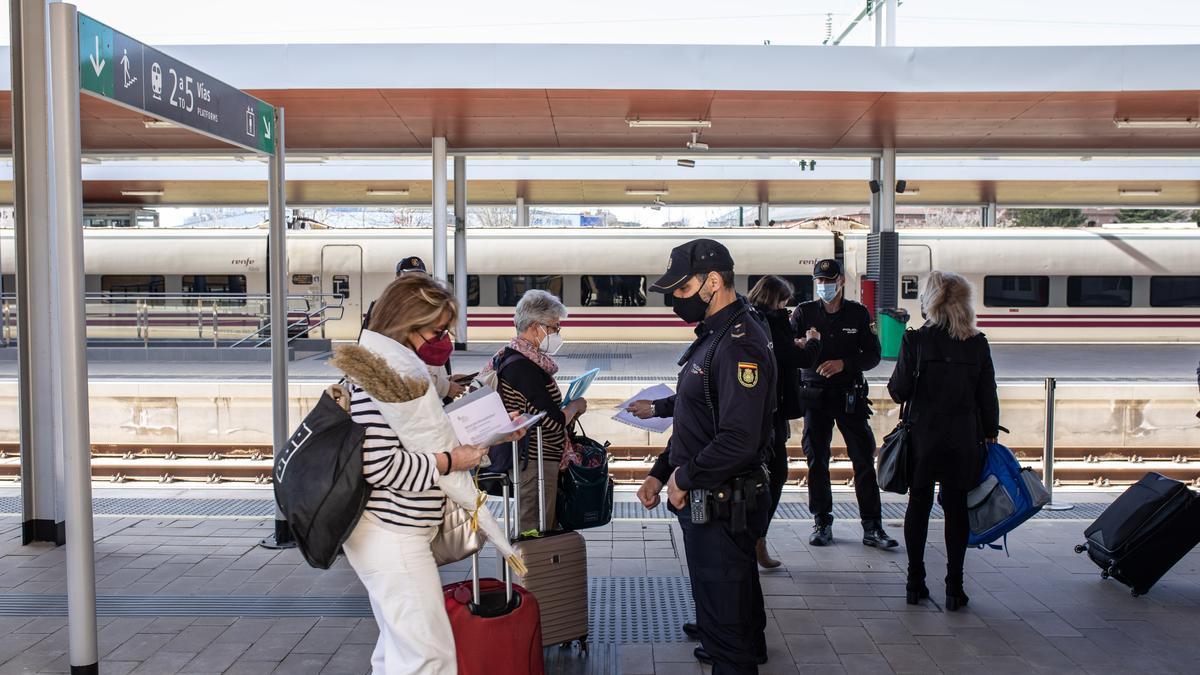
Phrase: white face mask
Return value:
(551, 343)
(827, 292)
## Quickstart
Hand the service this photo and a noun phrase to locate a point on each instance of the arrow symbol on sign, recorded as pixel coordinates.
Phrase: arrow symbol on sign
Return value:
(97, 62)
(266, 127)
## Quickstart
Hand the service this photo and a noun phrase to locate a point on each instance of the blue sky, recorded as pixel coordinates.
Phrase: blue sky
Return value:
(920, 22)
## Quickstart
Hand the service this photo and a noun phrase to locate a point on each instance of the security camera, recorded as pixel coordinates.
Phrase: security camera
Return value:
(900, 185)
(689, 163)
(874, 187)
(658, 203)
(695, 143)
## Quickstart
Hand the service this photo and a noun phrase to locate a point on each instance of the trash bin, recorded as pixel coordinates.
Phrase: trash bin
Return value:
(891, 330)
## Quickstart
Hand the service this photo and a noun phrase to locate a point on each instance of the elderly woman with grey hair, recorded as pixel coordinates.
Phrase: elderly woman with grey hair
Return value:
(525, 372)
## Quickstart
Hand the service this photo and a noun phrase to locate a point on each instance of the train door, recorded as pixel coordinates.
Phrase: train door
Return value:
(341, 282)
(916, 261)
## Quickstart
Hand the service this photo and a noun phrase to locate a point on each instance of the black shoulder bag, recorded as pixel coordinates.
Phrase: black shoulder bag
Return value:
(892, 470)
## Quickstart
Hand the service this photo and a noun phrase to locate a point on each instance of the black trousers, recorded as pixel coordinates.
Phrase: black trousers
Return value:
(723, 569)
(778, 464)
(860, 445)
(916, 531)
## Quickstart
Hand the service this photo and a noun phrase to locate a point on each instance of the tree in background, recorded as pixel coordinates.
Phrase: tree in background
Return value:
(1049, 217)
(1153, 216)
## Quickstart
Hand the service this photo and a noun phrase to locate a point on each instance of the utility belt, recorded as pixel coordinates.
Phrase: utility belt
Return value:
(849, 399)
(731, 501)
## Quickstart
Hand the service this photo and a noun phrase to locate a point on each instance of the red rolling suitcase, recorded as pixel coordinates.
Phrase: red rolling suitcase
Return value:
(497, 624)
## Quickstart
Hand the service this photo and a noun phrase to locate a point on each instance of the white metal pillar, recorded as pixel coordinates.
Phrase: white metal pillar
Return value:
(522, 213)
(33, 208)
(887, 190)
(891, 23)
(878, 16)
(439, 208)
(460, 248)
(278, 264)
(877, 177)
(764, 214)
(71, 376)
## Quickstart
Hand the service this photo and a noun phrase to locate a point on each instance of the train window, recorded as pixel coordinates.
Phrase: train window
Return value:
(341, 285)
(1175, 291)
(472, 288)
(216, 284)
(1099, 291)
(612, 290)
(510, 287)
(802, 286)
(1016, 291)
(8, 285)
(125, 287)
(909, 287)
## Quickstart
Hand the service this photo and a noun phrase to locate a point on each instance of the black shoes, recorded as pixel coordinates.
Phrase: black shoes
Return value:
(692, 631)
(955, 599)
(707, 659)
(877, 538)
(822, 535)
(914, 596)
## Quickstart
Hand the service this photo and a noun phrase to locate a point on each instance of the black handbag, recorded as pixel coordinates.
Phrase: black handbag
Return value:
(892, 469)
(585, 493)
(318, 477)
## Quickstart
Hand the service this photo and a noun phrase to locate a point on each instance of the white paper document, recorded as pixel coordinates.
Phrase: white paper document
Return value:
(479, 418)
(656, 424)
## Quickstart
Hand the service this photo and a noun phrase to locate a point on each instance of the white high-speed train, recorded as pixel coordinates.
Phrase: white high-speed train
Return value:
(1032, 285)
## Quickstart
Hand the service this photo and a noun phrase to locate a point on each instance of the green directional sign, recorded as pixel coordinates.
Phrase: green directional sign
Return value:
(116, 67)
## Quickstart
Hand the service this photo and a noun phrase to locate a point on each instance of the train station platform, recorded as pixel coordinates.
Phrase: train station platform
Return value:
(183, 587)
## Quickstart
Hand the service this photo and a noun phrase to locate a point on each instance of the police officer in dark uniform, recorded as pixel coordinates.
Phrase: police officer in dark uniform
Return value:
(835, 392)
(713, 466)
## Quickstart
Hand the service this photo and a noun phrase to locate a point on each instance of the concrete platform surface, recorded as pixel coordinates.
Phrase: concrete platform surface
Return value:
(197, 595)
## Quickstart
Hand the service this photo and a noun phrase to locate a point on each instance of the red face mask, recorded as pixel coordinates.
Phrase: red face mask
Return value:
(436, 352)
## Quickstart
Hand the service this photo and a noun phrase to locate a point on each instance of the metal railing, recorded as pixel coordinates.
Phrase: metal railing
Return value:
(216, 317)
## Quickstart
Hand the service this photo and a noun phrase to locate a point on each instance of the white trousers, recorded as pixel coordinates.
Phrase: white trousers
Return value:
(405, 590)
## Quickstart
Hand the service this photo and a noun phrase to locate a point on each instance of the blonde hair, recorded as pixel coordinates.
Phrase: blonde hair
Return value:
(410, 303)
(946, 302)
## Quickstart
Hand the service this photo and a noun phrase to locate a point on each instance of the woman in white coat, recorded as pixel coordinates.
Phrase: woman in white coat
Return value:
(403, 461)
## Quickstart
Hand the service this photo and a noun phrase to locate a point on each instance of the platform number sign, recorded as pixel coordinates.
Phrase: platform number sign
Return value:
(114, 66)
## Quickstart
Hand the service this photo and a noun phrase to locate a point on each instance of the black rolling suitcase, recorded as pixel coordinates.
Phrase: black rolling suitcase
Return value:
(1142, 534)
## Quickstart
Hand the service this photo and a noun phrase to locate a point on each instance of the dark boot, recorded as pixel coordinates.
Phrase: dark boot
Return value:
(874, 535)
(915, 590)
(764, 558)
(955, 597)
(822, 535)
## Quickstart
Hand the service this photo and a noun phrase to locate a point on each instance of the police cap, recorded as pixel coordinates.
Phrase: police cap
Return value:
(699, 256)
(827, 269)
(410, 264)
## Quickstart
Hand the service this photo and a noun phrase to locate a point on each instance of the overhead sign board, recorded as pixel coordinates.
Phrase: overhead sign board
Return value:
(114, 66)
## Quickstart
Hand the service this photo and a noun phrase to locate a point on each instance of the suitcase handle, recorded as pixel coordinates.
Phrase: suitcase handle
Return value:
(508, 584)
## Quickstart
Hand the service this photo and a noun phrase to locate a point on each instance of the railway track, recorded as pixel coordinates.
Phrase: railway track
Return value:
(248, 463)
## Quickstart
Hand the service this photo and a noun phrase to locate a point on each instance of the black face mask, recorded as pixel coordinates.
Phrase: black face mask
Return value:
(692, 308)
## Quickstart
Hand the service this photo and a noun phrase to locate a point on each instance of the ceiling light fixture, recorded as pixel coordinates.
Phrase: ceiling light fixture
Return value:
(1160, 123)
(141, 193)
(644, 192)
(1140, 192)
(659, 202)
(388, 192)
(303, 159)
(668, 124)
(158, 124)
(688, 163)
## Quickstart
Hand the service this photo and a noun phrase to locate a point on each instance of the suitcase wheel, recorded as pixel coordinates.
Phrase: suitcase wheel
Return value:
(1080, 548)
(1134, 593)
(1104, 574)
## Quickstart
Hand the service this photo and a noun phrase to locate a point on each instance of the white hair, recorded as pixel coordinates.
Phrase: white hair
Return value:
(538, 307)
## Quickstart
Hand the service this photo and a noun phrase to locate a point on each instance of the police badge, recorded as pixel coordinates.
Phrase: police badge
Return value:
(747, 374)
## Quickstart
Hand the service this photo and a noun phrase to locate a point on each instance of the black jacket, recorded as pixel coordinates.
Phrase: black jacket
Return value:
(953, 406)
(742, 391)
(789, 359)
(845, 334)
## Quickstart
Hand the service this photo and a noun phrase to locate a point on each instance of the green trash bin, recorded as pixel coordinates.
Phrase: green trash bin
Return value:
(891, 330)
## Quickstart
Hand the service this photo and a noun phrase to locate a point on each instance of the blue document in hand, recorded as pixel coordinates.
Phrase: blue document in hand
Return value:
(579, 386)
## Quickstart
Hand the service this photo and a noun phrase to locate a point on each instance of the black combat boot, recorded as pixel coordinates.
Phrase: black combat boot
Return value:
(915, 590)
(822, 535)
(873, 535)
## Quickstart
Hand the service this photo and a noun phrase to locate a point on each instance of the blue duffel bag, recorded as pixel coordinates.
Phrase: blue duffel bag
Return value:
(1007, 495)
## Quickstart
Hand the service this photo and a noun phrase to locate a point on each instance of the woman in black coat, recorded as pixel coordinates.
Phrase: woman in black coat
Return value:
(953, 410)
(770, 296)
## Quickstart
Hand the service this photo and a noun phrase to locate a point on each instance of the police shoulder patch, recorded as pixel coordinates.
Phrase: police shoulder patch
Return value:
(747, 374)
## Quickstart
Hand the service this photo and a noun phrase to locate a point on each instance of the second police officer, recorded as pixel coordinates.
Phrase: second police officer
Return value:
(716, 484)
(835, 392)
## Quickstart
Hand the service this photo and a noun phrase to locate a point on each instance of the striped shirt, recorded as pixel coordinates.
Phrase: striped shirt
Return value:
(404, 492)
(526, 388)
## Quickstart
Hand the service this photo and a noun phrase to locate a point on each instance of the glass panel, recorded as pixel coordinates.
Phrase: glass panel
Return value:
(118, 285)
(1016, 291)
(612, 290)
(1099, 291)
(802, 285)
(1175, 292)
(225, 284)
(510, 287)
(472, 288)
